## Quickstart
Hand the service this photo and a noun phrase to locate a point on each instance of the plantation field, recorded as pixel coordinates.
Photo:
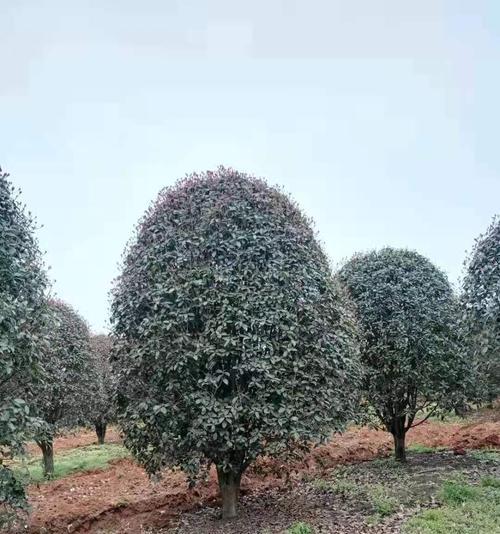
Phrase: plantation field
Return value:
(348, 485)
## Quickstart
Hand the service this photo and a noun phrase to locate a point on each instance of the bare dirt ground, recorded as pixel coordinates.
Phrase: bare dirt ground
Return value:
(122, 499)
(340, 502)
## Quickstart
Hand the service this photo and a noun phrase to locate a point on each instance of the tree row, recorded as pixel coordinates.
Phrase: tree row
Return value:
(233, 337)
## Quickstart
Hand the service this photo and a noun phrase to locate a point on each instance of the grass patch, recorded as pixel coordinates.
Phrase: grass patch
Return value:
(466, 509)
(456, 492)
(388, 463)
(71, 461)
(341, 487)
(377, 496)
(490, 482)
(424, 449)
(383, 503)
(486, 455)
(300, 528)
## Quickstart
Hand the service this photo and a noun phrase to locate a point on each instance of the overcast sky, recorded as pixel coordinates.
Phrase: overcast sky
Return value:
(380, 118)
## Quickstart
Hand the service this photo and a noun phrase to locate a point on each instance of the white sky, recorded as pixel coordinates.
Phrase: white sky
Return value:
(380, 118)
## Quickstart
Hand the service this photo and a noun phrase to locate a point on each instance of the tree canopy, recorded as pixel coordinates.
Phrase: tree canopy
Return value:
(481, 299)
(411, 351)
(22, 317)
(61, 399)
(232, 339)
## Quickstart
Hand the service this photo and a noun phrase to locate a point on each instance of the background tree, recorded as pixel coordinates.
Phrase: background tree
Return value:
(22, 315)
(410, 348)
(102, 403)
(481, 300)
(62, 400)
(231, 339)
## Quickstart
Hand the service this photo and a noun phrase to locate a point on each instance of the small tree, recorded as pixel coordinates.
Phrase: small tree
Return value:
(410, 346)
(231, 337)
(481, 301)
(102, 402)
(22, 316)
(62, 399)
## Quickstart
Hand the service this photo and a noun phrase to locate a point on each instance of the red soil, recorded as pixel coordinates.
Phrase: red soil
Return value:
(122, 498)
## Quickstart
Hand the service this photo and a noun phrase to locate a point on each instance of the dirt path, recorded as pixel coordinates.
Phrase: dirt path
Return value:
(122, 499)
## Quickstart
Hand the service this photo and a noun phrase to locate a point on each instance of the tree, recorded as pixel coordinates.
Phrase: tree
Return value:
(62, 398)
(481, 301)
(22, 317)
(410, 349)
(102, 402)
(231, 339)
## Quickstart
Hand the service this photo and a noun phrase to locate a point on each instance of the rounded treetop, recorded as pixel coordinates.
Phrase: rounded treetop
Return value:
(409, 318)
(231, 334)
(481, 287)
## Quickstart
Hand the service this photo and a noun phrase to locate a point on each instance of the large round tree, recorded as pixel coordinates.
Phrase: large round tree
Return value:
(22, 316)
(410, 346)
(231, 336)
(481, 299)
(62, 399)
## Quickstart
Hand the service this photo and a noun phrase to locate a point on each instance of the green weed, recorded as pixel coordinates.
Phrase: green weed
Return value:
(456, 491)
(300, 528)
(490, 482)
(383, 503)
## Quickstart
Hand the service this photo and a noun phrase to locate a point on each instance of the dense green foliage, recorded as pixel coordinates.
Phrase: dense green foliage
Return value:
(102, 410)
(481, 300)
(69, 374)
(22, 317)
(232, 338)
(412, 356)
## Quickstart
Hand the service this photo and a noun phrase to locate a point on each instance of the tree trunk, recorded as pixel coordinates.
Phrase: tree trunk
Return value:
(48, 458)
(399, 447)
(229, 485)
(100, 430)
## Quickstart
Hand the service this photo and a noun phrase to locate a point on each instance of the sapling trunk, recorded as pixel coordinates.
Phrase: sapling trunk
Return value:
(100, 430)
(229, 485)
(48, 457)
(461, 410)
